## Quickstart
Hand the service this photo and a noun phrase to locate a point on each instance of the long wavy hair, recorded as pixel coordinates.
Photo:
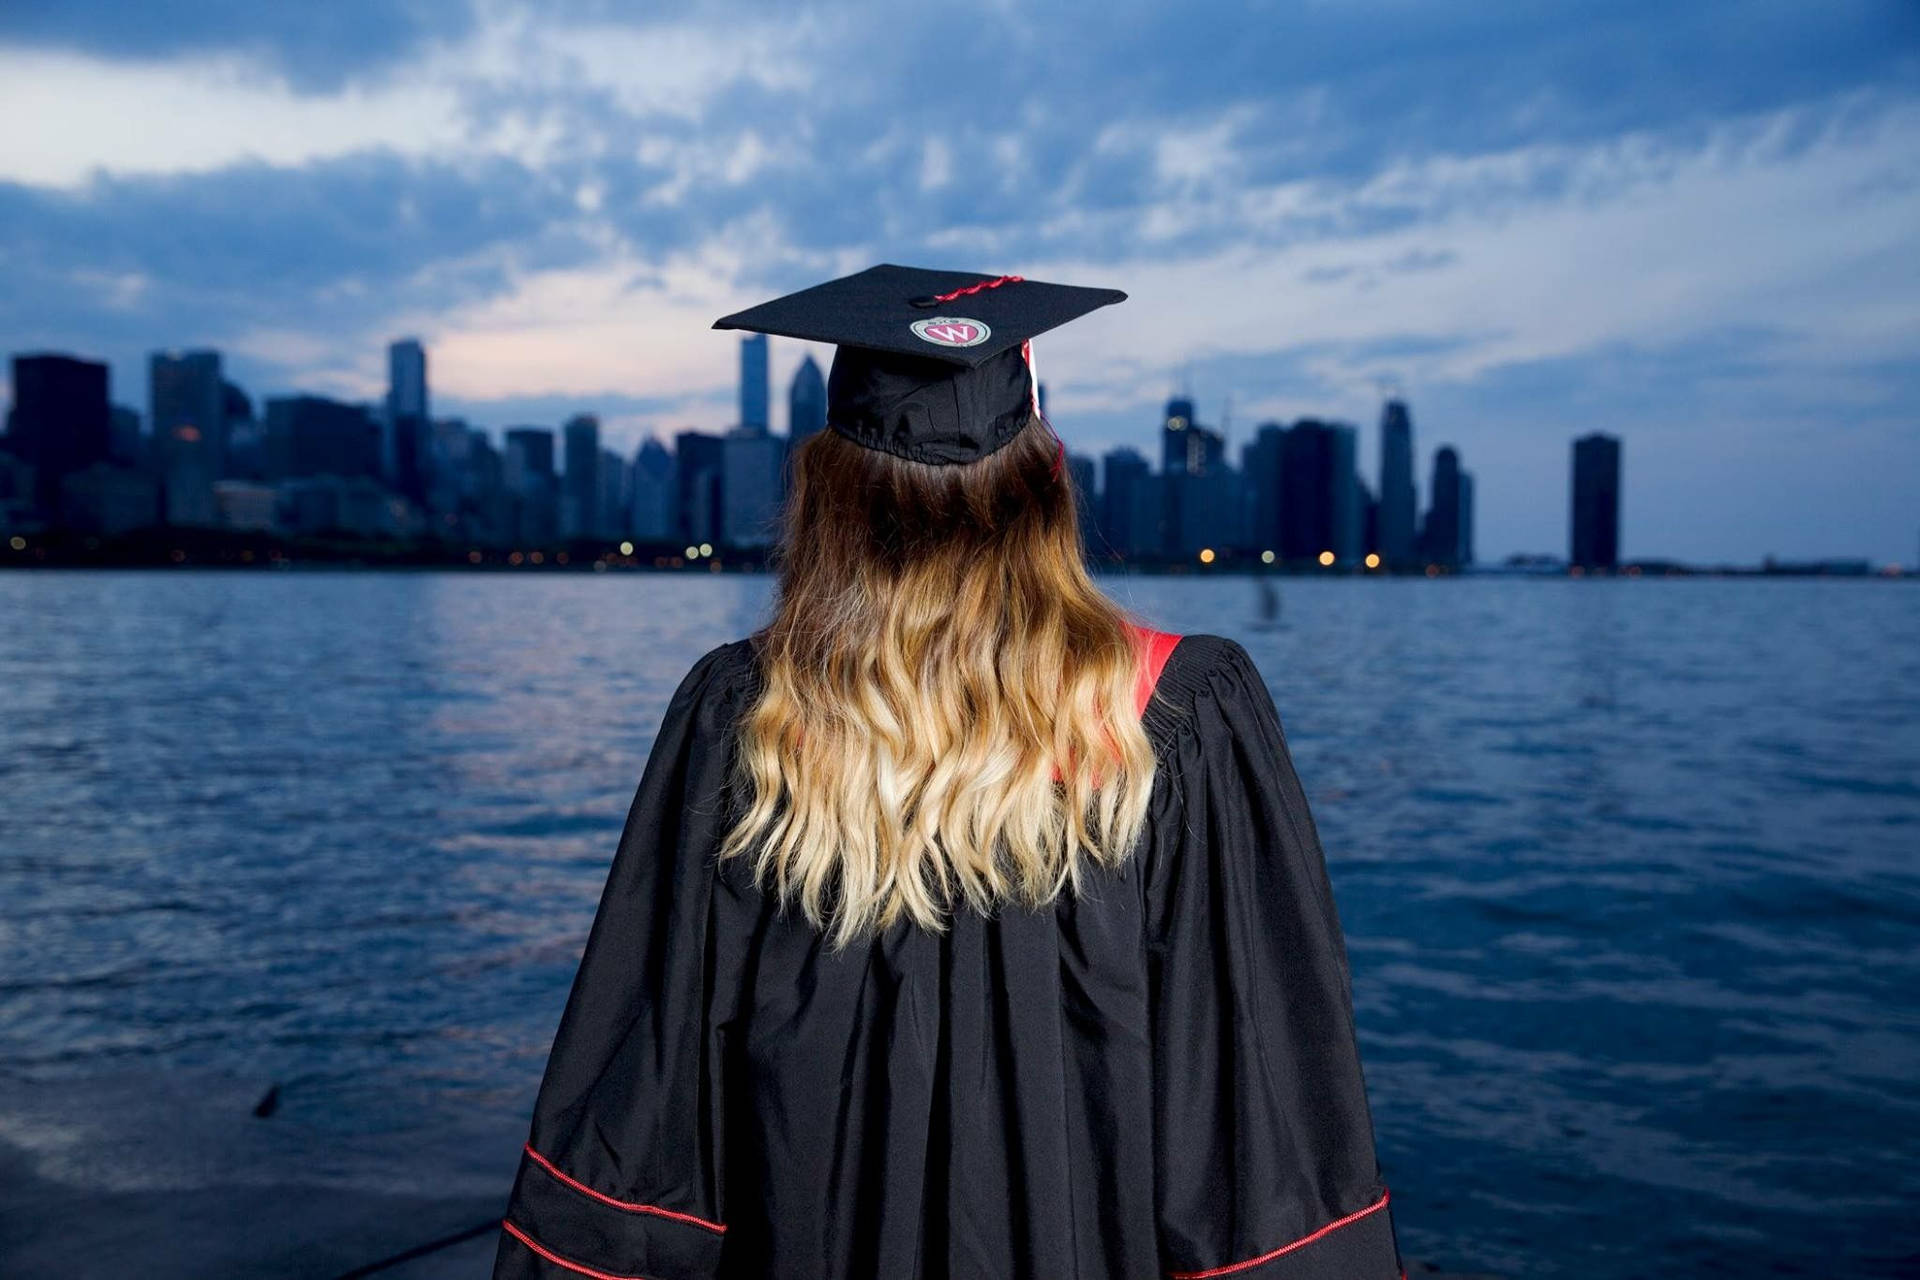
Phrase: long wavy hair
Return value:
(937, 649)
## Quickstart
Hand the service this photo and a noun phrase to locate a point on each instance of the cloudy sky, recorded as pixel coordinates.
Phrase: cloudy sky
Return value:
(1695, 225)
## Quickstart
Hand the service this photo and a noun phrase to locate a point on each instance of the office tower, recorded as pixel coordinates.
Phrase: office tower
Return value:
(580, 487)
(187, 410)
(1398, 501)
(1196, 485)
(486, 511)
(1085, 500)
(1596, 502)
(616, 495)
(1173, 435)
(1343, 486)
(1440, 536)
(315, 436)
(806, 403)
(698, 476)
(106, 499)
(1129, 506)
(127, 444)
(654, 486)
(1466, 517)
(1310, 513)
(751, 462)
(407, 417)
(61, 421)
(753, 383)
(1369, 519)
(1261, 468)
(530, 483)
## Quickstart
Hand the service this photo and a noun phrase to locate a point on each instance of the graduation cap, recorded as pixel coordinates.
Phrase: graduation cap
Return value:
(930, 365)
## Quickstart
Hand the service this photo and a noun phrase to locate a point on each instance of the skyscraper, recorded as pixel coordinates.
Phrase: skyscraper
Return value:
(699, 470)
(1262, 466)
(315, 436)
(1320, 503)
(753, 383)
(616, 495)
(580, 489)
(61, 421)
(1398, 502)
(188, 412)
(1129, 505)
(407, 422)
(806, 403)
(530, 485)
(751, 461)
(1440, 536)
(1348, 515)
(1466, 517)
(653, 492)
(1080, 473)
(1595, 535)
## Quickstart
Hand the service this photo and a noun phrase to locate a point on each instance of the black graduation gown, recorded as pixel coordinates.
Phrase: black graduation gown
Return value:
(1156, 1080)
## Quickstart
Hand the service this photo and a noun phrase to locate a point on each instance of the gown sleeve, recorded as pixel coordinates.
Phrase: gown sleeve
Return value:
(1265, 1165)
(620, 1176)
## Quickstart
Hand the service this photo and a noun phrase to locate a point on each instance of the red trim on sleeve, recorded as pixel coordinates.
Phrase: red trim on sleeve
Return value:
(655, 1210)
(1301, 1243)
(556, 1259)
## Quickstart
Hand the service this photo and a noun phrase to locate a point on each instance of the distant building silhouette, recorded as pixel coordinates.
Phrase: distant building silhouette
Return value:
(1466, 517)
(702, 467)
(751, 461)
(1129, 505)
(246, 436)
(531, 486)
(1440, 537)
(654, 510)
(1397, 543)
(580, 488)
(127, 444)
(1080, 471)
(315, 436)
(616, 495)
(1263, 472)
(1310, 473)
(754, 395)
(187, 411)
(1197, 486)
(407, 417)
(61, 421)
(806, 403)
(1595, 534)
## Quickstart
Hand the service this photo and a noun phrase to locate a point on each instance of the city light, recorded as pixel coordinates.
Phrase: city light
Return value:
(1373, 559)
(693, 553)
(706, 548)
(17, 542)
(626, 548)
(1326, 558)
(1206, 555)
(1266, 557)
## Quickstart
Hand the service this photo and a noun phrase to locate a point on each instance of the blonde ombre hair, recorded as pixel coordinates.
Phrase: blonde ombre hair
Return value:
(937, 647)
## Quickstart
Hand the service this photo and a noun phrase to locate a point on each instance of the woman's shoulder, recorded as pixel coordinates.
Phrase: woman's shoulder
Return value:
(1200, 665)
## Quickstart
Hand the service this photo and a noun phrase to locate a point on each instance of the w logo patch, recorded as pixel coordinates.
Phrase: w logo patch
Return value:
(946, 331)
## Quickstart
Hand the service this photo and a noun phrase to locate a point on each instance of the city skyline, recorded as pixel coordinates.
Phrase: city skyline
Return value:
(75, 464)
(1696, 229)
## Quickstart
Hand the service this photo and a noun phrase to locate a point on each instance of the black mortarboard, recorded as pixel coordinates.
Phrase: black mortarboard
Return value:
(931, 365)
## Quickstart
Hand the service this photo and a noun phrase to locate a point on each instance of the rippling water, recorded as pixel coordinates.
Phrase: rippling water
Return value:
(1628, 868)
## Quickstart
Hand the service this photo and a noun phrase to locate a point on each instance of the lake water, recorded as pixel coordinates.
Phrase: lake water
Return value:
(1628, 869)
